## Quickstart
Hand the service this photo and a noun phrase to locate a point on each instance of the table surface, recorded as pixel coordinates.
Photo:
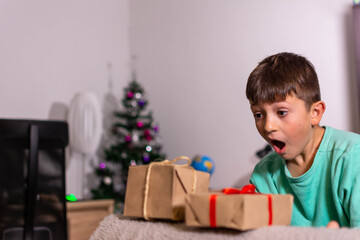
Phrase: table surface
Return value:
(85, 216)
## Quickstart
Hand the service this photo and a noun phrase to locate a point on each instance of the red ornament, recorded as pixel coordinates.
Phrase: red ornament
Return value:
(147, 135)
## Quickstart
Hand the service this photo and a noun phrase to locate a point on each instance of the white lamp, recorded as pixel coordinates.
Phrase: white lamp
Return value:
(85, 125)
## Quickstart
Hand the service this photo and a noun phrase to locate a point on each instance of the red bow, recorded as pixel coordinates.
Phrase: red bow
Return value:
(248, 189)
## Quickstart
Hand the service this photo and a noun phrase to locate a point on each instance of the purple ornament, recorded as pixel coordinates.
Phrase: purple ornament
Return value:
(102, 166)
(146, 158)
(141, 102)
(156, 128)
(127, 138)
(130, 95)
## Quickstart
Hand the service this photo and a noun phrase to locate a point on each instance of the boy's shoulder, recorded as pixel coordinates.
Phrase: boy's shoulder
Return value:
(339, 140)
(341, 148)
(338, 132)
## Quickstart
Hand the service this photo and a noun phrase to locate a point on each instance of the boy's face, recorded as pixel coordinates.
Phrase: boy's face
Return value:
(286, 126)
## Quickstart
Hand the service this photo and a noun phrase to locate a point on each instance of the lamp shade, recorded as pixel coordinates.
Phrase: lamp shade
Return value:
(85, 123)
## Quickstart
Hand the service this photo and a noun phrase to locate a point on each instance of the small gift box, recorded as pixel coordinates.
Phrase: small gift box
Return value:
(157, 190)
(241, 210)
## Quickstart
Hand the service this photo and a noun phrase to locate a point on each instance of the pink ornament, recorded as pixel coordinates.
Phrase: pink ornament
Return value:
(130, 94)
(139, 124)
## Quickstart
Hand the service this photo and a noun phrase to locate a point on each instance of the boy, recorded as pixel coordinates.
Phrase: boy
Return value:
(319, 166)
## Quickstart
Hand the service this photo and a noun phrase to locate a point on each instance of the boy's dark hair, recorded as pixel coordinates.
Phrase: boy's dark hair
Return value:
(280, 75)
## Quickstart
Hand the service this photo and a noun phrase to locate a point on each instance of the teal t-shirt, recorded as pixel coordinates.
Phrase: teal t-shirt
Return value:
(329, 190)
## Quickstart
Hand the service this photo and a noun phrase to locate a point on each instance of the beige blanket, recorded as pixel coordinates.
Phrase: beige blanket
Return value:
(114, 228)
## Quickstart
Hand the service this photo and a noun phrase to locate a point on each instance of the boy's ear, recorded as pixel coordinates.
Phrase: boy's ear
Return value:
(317, 111)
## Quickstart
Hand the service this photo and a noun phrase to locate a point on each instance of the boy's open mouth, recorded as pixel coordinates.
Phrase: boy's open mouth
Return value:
(278, 146)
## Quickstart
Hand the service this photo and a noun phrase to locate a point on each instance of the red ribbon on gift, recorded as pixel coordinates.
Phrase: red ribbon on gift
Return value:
(248, 189)
(212, 211)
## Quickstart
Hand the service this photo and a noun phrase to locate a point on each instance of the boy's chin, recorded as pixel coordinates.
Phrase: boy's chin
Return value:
(286, 157)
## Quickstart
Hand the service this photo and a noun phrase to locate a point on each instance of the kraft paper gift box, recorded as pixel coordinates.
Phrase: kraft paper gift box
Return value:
(157, 190)
(237, 211)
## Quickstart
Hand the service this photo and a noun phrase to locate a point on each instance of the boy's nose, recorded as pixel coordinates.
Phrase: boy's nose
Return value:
(270, 124)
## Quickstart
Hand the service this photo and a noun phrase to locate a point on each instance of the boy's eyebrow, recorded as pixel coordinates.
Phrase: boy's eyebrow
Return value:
(253, 104)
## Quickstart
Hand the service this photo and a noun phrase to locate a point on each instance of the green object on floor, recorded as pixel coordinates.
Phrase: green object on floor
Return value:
(71, 198)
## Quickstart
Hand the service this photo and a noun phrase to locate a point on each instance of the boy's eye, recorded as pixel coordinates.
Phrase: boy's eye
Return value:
(257, 115)
(282, 113)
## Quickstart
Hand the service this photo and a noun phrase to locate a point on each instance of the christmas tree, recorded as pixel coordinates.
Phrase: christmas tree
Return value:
(137, 143)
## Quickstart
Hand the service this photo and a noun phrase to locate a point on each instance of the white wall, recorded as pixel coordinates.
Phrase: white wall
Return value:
(194, 58)
(50, 50)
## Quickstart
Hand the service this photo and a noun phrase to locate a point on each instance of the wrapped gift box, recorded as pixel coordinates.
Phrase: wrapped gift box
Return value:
(237, 211)
(157, 190)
